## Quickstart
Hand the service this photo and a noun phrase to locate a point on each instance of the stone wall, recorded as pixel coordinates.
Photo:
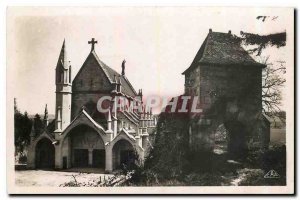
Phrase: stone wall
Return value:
(192, 82)
(236, 83)
(84, 99)
(89, 85)
(91, 77)
(229, 95)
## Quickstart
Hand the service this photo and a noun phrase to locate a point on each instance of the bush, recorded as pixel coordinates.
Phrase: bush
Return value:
(23, 159)
(255, 177)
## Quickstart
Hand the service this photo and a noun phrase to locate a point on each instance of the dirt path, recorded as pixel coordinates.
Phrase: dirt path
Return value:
(54, 178)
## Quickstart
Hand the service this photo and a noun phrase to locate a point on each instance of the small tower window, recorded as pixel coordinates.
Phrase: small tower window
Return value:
(187, 81)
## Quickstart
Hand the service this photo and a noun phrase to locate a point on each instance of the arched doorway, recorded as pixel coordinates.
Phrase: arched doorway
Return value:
(221, 140)
(237, 138)
(123, 154)
(86, 148)
(44, 154)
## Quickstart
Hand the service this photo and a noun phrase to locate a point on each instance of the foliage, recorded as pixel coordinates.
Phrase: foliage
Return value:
(255, 177)
(38, 124)
(214, 170)
(168, 156)
(263, 41)
(23, 158)
(208, 179)
(272, 84)
(51, 126)
(272, 159)
(22, 125)
(272, 78)
(102, 181)
(23, 128)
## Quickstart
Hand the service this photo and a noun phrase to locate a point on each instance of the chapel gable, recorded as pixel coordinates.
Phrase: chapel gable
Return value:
(91, 77)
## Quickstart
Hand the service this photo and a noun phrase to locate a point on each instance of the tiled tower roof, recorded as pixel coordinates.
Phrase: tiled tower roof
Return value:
(222, 49)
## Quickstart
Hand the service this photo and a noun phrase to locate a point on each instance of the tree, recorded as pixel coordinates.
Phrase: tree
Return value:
(262, 41)
(273, 74)
(38, 124)
(22, 125)
(273, 81)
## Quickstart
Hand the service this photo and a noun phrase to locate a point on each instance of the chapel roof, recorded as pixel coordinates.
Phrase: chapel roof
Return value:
(127, 88)
(110, 73)
(222, 49)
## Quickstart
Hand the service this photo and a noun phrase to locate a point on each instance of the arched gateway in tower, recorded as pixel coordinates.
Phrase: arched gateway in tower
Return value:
(84, 136)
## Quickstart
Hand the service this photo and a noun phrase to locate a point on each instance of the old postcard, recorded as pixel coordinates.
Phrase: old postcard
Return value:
(150, 100)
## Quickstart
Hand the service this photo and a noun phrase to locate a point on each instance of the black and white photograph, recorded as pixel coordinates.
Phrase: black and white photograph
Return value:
(156, 100)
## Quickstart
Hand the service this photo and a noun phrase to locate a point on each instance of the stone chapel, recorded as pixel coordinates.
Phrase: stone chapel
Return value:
(85, 137)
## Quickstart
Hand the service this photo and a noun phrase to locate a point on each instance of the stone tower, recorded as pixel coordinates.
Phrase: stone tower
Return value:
(63, 91)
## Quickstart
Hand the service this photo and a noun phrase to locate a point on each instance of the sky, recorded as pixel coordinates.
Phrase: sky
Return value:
(158, 44)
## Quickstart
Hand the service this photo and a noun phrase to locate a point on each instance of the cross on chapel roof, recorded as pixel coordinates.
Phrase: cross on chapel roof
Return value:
(93, 42)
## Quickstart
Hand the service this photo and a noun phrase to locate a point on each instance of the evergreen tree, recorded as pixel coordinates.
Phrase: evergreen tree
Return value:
(263, 41)
(38, 124)
(22, 125)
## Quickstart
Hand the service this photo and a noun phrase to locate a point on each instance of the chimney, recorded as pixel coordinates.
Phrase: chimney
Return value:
(210, 30)
(229, 32)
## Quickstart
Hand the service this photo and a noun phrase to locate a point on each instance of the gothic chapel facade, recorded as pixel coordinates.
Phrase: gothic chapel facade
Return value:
(83, 136)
